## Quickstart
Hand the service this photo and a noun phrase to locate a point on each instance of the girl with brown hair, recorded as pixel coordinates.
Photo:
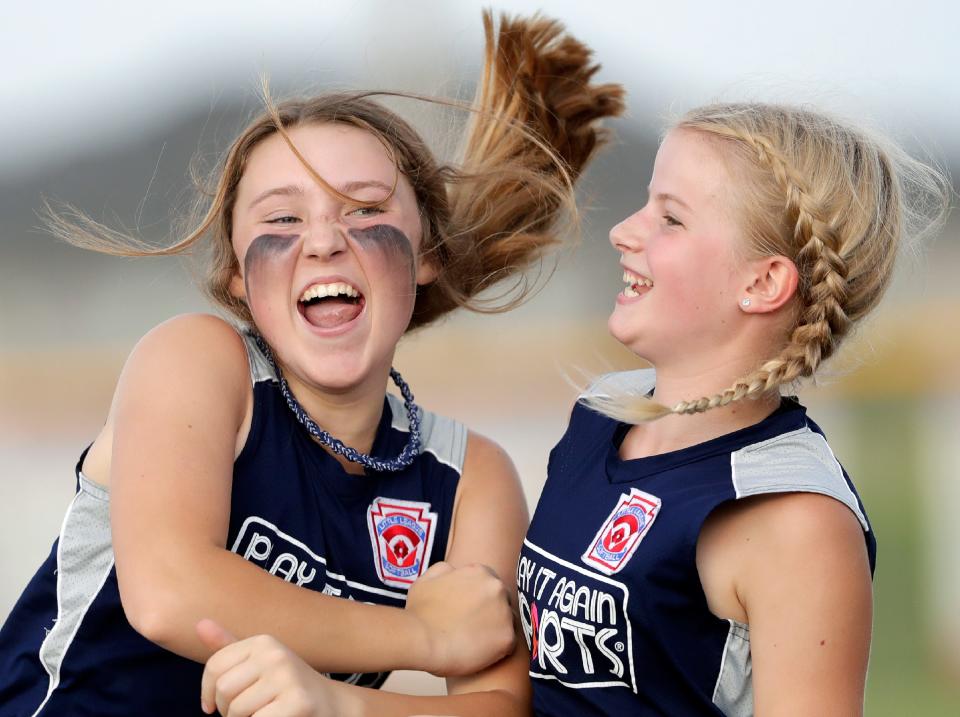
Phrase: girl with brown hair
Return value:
(262, 476)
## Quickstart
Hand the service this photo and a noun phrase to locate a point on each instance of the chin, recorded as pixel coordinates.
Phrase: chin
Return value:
(336, 370)
(621, 329)
(337, 382)
(631, 338)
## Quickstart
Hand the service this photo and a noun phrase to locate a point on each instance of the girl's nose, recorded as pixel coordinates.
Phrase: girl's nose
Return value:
(325, 238)
(628, 235)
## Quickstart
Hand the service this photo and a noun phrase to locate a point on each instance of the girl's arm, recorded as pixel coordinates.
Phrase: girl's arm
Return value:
(183, 398)
(490, 520)
(801, 580)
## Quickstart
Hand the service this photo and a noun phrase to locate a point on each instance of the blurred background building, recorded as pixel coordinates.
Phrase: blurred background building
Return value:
(107, 104)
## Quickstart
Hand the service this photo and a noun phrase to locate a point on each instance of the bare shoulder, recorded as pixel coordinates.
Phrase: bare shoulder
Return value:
(490, 514)
(188, 359)
(188, 348)
(488, 470)
(768, 529)
(748, 546)
(485, 454)
(752, 544)
(799, 521)
(200, 336)
(190, 354)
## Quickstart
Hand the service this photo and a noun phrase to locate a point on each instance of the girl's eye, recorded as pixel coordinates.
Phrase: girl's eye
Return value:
(365, 212)
(671, 221)
(283, 220)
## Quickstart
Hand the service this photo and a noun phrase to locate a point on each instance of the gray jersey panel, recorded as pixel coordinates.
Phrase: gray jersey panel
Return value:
(798, 461)
(445, 438)
(733, 693)
(84, 561)
(260, 368)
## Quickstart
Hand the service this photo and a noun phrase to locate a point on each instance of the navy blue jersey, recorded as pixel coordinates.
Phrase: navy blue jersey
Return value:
(67, 647)
(610, 598)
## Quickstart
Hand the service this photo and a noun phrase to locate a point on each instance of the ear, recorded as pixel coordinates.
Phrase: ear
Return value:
(237, 287)
(771, 283)
(426, 270)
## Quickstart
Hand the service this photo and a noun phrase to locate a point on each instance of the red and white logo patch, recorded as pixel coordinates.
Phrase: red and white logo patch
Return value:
(622, 532)
(401, 532)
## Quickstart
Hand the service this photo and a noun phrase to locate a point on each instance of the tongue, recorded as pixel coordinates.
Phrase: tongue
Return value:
(330, 313)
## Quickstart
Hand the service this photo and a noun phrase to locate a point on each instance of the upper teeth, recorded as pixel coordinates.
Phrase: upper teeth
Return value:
(631, 278)
(318, 291)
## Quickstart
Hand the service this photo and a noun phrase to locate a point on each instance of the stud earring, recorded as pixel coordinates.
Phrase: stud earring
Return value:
(745, 302)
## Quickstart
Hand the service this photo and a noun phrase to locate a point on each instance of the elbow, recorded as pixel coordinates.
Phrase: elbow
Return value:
(163, 599)
(154, 612)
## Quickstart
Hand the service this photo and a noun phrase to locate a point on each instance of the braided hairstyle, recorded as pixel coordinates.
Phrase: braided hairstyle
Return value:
(534, 127)
(838, 202)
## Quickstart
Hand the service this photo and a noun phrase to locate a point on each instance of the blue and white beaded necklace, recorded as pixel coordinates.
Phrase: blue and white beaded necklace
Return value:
(407, 455)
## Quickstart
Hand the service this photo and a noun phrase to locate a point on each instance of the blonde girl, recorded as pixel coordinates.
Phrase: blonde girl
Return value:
(698, 549)
(257, 472)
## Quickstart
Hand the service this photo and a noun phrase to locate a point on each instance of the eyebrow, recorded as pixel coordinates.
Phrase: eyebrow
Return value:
(664, 197)
(363, 184)
(285, 191)
(296, 190)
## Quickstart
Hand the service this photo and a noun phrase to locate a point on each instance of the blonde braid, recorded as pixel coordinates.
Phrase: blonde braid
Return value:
(823, 320)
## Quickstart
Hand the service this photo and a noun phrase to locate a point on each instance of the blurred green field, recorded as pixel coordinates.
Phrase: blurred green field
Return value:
(907, 676)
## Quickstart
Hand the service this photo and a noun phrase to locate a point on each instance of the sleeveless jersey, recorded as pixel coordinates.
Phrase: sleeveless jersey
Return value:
(611, 602)
(67, 647)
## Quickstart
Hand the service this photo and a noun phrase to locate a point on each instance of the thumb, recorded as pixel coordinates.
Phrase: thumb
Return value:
(213, 635)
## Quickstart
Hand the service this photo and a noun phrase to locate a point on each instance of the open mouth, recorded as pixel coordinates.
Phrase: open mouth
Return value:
(327, 306)
(637, 285)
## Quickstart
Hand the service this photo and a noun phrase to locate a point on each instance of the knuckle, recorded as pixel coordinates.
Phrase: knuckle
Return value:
(222, 687)
(263, 641)
(275, 656)
(213, 664)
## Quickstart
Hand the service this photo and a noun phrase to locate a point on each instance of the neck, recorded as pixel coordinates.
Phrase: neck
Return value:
(675, 432)
(351, 416)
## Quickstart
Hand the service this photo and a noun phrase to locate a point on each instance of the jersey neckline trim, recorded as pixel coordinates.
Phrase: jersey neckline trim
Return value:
(790, 415)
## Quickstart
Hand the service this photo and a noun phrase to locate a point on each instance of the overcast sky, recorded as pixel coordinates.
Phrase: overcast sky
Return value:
(78, 74)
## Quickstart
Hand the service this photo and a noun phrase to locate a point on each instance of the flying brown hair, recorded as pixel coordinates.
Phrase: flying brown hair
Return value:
(533, 128)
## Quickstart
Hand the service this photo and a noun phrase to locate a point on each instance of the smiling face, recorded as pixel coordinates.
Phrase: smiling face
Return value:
(680, 259)
(331, 285)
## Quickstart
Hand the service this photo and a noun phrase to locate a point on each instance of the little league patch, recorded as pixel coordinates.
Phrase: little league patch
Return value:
(622, 532)
(401, 532)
